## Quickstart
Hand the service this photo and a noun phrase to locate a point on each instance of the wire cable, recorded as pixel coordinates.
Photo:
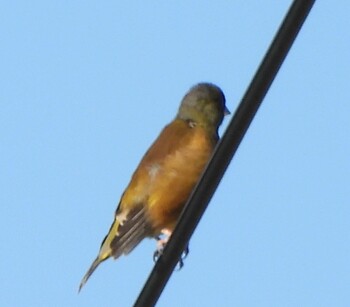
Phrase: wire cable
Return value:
(224, 152)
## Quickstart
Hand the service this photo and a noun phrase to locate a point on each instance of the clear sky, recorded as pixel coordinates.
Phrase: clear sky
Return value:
(86, 86)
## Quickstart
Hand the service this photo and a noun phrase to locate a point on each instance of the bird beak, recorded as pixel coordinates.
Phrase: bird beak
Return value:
(226, 111)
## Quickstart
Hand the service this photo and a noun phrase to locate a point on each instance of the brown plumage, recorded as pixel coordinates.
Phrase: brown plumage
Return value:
(166, 175)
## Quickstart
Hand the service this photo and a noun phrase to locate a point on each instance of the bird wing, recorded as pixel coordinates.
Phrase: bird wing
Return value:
(160, 167)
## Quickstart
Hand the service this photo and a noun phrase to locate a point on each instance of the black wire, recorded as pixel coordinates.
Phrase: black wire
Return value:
(224, 152)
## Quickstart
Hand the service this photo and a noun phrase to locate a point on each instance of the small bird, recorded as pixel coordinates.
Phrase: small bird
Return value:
(166, 175)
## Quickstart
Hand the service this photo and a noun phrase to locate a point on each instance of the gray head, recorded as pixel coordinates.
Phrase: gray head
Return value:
(205, 105)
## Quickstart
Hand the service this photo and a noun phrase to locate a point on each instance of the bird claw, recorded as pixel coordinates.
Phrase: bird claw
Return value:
(157, 253)
(160, 247)
(184, 255)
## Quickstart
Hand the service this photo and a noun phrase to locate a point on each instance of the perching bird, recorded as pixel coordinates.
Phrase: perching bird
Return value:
(166, 175)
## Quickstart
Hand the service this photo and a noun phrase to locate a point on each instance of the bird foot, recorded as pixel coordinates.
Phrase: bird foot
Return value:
(160, 248)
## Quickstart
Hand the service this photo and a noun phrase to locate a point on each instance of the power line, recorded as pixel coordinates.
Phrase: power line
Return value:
(224, 152)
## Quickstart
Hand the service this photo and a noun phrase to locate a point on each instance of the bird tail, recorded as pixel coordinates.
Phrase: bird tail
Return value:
(123, 236)
(92, 268)
(104, 254)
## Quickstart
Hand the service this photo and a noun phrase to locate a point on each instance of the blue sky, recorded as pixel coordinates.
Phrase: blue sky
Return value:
(86, 86)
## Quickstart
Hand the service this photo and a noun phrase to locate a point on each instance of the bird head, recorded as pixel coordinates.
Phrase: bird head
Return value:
(204, 105)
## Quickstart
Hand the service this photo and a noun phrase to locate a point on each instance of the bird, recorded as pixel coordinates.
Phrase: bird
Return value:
(166, 175)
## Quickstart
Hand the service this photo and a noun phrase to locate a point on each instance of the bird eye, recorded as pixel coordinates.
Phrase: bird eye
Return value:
(191, 123)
